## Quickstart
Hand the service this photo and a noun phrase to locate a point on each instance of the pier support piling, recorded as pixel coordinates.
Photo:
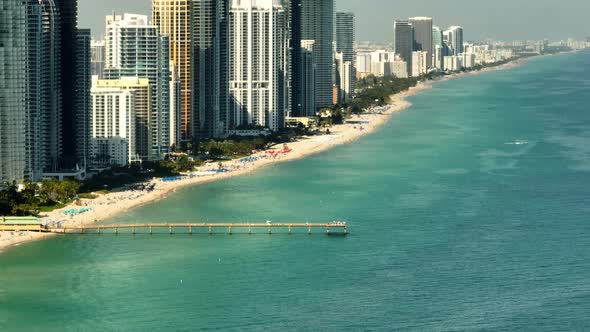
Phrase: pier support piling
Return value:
(336, 228)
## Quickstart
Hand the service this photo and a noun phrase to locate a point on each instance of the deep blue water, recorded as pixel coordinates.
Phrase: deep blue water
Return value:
(467, 212)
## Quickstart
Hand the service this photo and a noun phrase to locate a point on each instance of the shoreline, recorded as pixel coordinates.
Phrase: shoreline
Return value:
(112, 204)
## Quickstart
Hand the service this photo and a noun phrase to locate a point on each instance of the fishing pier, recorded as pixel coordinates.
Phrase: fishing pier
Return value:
(335, 228)
(331, 228)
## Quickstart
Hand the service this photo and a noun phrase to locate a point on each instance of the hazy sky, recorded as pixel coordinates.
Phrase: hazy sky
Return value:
(499, 19)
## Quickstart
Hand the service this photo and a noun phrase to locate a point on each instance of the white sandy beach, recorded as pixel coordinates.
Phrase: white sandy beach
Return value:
(109, 205)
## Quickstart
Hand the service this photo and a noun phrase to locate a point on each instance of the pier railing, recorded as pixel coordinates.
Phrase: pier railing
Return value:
(332, 228)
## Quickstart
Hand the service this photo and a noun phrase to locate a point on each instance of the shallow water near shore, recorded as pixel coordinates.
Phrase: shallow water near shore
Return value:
(467, 211)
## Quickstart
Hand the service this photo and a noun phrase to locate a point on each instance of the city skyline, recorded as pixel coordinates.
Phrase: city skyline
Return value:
(215, 68)
(374, 21)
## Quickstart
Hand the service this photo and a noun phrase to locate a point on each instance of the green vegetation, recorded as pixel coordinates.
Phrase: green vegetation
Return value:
(371, 91)
(117, 177)
(333, 116)
(232, 147)
(375, 91)
(36, 197)
(239, 146)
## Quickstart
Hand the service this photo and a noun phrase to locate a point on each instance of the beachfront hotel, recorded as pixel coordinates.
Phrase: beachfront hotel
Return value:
(258, 63)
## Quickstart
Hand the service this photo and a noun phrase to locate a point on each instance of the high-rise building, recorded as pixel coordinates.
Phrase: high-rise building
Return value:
(296, 62)
(209, 67)
(68, 22)
(345, 38)
(453, 62)
(423, 36)
(437, 57)
(13, 90)
(317, 23)
(419, 63)
(174, 106)
(44, 101)
(453, 37)
(308, 81)
(257, 63)
(399, 68)
(134, 48)
(363, 63)
(119, 109)
(468, 60)
(344, 78)
(403, 41)
(82, 93)
(97, 50)
(437, 36)
(438, 50)
(345, 35)
(380, 62)
(173, 18)
(45, 121)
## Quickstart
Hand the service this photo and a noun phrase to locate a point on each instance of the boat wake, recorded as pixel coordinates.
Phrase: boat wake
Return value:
(517, 143)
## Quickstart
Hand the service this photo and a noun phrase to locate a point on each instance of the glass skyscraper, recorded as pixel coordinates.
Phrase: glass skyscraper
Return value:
(209, 60)
(423, 36)
(403, 41)
(317, 23)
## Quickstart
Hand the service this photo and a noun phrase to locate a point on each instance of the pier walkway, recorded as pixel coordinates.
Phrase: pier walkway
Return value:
(331, 228)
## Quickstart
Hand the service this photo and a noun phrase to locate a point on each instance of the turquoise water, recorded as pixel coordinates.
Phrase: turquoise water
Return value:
(469, 211)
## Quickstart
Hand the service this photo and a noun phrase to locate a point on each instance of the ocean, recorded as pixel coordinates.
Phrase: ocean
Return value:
(466, 212)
